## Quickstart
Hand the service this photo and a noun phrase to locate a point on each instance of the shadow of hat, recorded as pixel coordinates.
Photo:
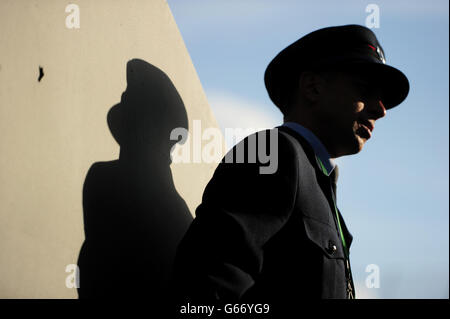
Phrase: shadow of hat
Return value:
(149, 108)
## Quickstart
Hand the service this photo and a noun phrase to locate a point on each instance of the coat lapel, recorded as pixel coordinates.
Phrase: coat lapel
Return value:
(333, 176)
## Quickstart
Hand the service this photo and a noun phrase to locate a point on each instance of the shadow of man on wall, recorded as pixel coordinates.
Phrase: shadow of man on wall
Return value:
(133, 216)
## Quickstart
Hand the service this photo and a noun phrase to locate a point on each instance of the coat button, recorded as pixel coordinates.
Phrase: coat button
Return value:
(331, 247)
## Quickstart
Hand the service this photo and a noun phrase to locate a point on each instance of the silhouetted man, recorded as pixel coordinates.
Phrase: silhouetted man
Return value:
(280, 238)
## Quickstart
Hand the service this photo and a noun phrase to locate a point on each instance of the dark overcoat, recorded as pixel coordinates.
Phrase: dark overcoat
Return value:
(265, 237)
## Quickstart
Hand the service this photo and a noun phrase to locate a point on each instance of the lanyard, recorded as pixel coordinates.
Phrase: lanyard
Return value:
(350, 285)
(336, 212)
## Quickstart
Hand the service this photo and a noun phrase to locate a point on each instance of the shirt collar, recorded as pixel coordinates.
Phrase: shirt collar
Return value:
(323, 158)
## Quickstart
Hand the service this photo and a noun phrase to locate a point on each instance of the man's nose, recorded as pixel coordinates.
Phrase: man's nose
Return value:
(377, 109)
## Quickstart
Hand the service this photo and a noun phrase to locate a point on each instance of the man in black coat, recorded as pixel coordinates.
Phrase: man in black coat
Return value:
(276, 236)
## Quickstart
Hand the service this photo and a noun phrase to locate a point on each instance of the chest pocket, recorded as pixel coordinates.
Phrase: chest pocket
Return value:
(313, 208)
(325, 237)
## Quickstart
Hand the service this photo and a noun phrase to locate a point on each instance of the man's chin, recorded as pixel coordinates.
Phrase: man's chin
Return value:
(353, 148)
(360, 144)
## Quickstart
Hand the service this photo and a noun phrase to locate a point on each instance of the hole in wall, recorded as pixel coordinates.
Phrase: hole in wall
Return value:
(41, 73)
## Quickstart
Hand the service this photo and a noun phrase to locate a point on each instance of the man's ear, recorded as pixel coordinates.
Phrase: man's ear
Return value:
(311, 86)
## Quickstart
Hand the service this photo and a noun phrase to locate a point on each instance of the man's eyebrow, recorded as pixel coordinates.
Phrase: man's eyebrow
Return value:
(369, 86)
(361, 81)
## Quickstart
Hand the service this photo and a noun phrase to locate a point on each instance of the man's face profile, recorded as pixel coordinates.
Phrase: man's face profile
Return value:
(346, 106)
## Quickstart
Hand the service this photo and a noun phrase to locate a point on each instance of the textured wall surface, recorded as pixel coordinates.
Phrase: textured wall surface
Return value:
(54, 126)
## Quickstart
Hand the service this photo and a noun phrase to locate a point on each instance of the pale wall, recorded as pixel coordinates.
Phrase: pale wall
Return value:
(52, 131)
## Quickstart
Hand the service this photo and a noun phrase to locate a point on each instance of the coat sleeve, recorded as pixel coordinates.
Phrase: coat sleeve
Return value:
(222, 253)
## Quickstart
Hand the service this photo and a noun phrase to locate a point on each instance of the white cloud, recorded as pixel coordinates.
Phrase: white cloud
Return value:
(232, 111)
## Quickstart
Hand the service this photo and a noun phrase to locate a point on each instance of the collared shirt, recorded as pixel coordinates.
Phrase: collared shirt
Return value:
(319, 149)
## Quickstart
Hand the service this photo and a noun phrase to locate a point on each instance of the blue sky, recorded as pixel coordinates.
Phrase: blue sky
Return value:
(406, 162)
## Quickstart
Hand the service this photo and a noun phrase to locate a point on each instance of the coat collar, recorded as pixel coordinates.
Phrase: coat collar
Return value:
(323, 159)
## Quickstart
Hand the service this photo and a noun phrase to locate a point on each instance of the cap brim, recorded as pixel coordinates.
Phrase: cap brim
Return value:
(393, 84)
